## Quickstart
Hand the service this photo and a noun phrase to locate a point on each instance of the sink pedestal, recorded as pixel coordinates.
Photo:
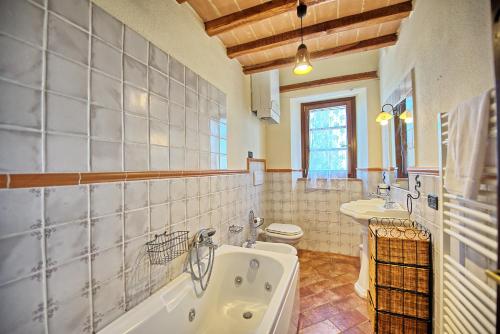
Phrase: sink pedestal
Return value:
(361, 211)
(361, 285)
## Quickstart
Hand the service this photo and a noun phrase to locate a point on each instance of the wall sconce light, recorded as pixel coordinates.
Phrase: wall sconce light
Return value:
(386, 115)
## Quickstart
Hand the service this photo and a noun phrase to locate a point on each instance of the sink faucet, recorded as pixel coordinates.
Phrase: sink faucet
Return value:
(384, 193)
(254, 223)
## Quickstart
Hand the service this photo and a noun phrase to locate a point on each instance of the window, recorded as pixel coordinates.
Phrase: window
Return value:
(218, 144)
(329, 138)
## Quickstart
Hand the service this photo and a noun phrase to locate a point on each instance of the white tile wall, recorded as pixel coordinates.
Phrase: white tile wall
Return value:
(86, 93)
(430, 219)
(97, 96)
(93, 266)
(317, 212)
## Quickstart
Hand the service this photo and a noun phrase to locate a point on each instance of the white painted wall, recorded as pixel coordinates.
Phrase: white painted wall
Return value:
(179, 31)
(448, 43)
(283, 144)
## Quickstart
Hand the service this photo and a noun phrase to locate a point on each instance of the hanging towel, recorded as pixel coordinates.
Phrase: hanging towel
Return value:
(467, 146)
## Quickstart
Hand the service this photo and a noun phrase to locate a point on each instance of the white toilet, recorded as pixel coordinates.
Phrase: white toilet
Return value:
(284, 233)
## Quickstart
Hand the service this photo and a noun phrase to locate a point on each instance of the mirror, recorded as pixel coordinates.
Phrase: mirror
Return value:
(401, 132)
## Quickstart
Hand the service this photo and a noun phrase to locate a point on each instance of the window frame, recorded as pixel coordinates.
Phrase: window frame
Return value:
(400, 142)
(350, 103)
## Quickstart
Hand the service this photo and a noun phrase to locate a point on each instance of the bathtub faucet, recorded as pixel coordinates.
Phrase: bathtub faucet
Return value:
(199, 273)
(204, 237)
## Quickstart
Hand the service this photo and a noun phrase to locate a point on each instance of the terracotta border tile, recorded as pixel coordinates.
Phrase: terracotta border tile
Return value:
(424, 171)
(142, 175)
(86, 178)
(249, 160)
(282, 170)
(66, 179)
(4, 179)
(43, 180)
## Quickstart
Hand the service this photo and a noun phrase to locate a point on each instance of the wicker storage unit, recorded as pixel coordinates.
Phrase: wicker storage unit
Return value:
(400, 287)
(394, 324)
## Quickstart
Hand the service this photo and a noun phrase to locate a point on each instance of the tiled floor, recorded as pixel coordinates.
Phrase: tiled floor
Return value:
(328, 303)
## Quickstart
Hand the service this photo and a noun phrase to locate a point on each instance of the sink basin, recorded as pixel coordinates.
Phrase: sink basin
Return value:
(361, 211)
(274, 247)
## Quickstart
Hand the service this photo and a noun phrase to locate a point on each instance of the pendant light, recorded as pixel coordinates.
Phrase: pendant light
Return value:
(302, 61)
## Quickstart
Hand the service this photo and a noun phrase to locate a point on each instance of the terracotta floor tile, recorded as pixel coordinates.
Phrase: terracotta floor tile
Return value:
(327, 292)
(304, 321)
(348, 319)
(364, 328)
(363, 309)
(321, 313)
(310, 279)
(351, 302)
(324, 327)
(305, 291)
(344, 290)
(311, 301)
(318, 286)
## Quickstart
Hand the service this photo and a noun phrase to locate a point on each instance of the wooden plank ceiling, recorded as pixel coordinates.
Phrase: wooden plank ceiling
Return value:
(263, 34)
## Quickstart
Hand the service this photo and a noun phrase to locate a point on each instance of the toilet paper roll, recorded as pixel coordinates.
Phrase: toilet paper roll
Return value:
(258, 222)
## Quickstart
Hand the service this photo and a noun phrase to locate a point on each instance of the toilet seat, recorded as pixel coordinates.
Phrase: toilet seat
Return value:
(284, 231)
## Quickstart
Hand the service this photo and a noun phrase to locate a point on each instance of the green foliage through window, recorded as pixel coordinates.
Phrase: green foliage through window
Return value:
(328, 144)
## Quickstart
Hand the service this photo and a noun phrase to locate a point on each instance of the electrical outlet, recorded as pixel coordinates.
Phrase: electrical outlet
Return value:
(432, 202)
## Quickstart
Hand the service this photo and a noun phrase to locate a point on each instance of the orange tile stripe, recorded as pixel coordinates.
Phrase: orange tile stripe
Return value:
(424, 170)
(10, 181)
(376, 169)
(249, 160)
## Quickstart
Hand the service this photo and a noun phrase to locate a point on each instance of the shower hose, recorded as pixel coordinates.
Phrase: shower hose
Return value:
(200, 275)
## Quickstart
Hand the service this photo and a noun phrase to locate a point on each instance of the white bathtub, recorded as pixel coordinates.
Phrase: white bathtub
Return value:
(220, 308)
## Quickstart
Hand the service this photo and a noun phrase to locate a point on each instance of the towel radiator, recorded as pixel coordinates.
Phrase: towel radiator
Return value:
(469, 254)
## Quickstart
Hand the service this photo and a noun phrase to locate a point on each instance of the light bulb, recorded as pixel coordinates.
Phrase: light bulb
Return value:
(302, 62)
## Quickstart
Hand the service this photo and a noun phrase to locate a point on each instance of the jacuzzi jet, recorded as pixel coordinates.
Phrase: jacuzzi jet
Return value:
(247, 315)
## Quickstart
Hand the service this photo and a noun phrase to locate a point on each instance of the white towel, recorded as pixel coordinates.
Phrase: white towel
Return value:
(467, 146)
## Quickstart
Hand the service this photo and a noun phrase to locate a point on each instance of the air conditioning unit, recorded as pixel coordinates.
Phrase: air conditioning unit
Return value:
(266, 96)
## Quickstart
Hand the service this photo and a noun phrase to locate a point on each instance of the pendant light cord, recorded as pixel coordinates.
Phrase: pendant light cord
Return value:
(301, 32)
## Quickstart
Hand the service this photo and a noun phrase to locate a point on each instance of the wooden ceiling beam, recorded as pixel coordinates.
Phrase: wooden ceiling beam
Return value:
(253, 14)
(376, 16)
(364, 45)
(329, 81)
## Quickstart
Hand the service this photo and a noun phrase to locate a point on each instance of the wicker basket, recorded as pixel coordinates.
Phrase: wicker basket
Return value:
(393, 324)
(400, 277)
(400, 244)
(400, 302)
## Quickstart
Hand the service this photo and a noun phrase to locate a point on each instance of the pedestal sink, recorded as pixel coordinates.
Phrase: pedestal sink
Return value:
(361, 211)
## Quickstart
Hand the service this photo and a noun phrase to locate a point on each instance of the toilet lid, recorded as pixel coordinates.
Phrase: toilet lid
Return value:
(286, 229)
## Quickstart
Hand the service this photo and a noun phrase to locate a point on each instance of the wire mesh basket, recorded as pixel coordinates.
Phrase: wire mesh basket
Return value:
(401, 281)
(167, 246)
